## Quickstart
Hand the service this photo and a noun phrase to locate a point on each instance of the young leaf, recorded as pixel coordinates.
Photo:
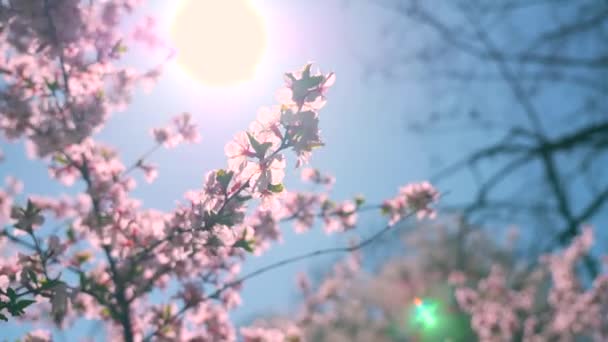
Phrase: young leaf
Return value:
(83, 280)
(53, 86)
(224, 178)
(48, 283)
(22, 304)
(276, 188)
(245, 244)
(359, 200)
(260, 149)
(12, 295)
(32, 275)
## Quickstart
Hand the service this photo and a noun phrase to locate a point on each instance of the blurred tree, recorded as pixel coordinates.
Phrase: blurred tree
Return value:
(527, 80)
(454, 283)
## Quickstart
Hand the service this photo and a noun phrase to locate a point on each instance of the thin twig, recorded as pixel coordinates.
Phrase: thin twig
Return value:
(53, 29)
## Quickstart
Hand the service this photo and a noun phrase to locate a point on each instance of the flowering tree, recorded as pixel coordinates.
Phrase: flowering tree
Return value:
(532, 160)
(455, 283)
(61, 78)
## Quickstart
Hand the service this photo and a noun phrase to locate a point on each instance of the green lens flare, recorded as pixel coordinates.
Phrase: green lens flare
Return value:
(426, 318)
(425, 314)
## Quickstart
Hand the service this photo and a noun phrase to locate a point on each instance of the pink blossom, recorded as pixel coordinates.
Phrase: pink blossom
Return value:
(186, 128)
(302, 207)
(6, 203)
(315, 176)
(150, 172)
(419, 196)
(4, 282)
(144, 32)
(306, 86)
(412, 198)
(238, 150)
(457, 278)
(265, 227)
(266, 173)
(38, 336)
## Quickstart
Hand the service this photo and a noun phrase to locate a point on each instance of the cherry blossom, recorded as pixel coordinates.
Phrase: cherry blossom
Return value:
(315, 176)
(416, 197)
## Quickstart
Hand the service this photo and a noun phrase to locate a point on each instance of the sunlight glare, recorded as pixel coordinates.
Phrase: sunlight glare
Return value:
(219, 43)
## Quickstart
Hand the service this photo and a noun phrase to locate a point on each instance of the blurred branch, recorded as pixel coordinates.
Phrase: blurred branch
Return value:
(475, 43)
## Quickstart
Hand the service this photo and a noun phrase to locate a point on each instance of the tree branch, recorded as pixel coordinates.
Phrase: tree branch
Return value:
(276, 265)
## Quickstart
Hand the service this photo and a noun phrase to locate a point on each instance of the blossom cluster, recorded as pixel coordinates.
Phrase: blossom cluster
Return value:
(415, 197)
(484, 294)
(59, 69)
(121, 252)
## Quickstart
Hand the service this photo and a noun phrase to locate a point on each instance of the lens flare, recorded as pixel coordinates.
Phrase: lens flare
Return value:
(425, 313)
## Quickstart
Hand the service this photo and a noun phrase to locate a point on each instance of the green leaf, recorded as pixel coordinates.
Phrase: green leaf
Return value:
(314, 81)
(314, 145)
(119, 47)
(22, 304)
(302, 86)
(226, 219)
(290, 76)
(327, 204)
(100, 288)
(53, 86)
(260, 149)
(214, 241)
(47, 284)
(60, 159)
(3, 318)
(71, 234)
(276, 188)
(167, 312)
(385, 210)
(12, 295)
(31, 207)
(83, 280)
(359, 200)
(83, 257)
(224, 178)
(306, 71)
(245, 244)
(105, 312)
(32, 275)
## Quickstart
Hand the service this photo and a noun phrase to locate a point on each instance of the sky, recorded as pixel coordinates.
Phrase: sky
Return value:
(368, 148)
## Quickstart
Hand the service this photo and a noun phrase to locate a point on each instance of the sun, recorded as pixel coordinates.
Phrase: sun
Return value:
(219, 42)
